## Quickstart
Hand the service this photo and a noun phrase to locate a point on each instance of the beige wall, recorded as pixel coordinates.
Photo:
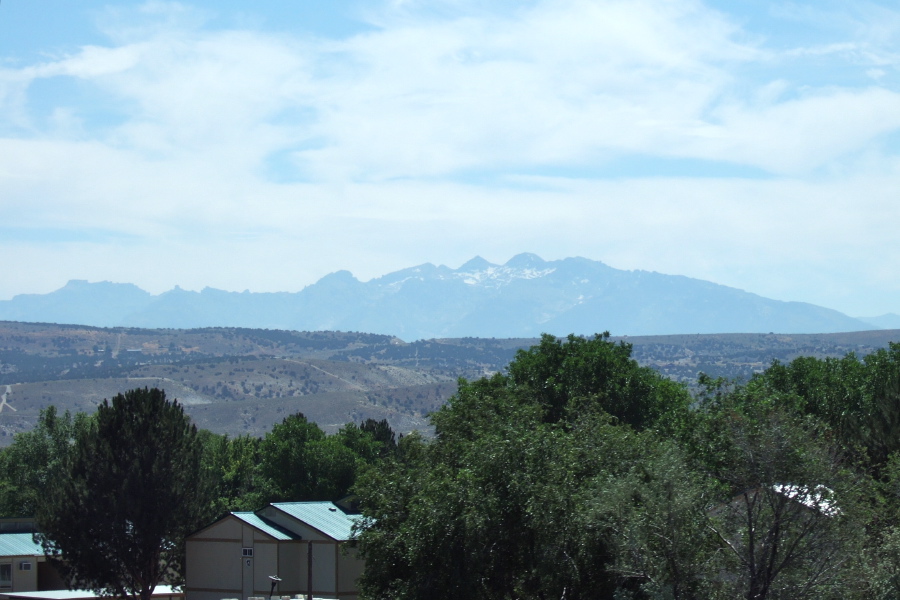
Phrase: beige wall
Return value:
(212, 556)
(324, 584)
(22, 581)
(324, 568)
(350, 569)
(213, 562)
(265, 563)
(292, 567)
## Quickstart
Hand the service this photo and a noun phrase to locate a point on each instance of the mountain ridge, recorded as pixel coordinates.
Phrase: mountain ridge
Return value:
(524, 297)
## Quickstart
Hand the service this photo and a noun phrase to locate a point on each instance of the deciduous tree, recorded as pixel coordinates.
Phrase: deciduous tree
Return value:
(517, 498)
(36, 460)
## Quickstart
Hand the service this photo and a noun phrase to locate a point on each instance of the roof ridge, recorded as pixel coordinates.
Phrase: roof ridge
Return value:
(263, 523)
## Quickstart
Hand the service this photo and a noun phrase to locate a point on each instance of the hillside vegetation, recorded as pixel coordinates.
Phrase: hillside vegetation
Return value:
(243, 381)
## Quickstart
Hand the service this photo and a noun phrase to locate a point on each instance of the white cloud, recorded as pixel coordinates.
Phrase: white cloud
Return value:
(559, 83)
(798, 136)
(384, 125)
(567, 81)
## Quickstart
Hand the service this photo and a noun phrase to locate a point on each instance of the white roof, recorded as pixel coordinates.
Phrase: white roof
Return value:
(819, 498)
(161, 591)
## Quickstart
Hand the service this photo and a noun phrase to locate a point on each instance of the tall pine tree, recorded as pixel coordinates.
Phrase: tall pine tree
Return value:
(117, 520)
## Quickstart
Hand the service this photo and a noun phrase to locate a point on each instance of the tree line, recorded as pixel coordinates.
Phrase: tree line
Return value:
(578, 474)
(575, 474)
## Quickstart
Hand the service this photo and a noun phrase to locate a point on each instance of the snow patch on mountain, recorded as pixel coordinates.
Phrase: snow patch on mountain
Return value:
(499, 275)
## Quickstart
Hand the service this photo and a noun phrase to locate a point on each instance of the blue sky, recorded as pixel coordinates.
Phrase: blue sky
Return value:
(263, 145)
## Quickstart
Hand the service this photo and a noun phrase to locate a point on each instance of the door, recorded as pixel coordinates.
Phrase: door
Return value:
(247, 576)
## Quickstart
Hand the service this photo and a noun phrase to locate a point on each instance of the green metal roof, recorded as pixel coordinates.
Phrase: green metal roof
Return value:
(324, 516)
(266, 526)
(19, 544)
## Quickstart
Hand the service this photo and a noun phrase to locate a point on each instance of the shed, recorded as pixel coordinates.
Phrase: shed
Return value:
(238, 555)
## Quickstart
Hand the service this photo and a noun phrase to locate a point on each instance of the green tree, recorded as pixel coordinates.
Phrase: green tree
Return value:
(116, 522)
(361, 442)
(299, 462)
(858, 399)
(582, 475)
(382, 433)
(518, 508)
(652, 515)
(882, 567)
(36, 460)
(285, 461)
(791, 515)
(230, 466)
(511, 499)
(388, 490)
(882, 563)
(562, 375)
(332, 467)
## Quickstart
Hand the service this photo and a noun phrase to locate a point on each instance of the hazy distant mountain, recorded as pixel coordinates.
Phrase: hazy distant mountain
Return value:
(522, 298)
(887, 321)
(101, 304)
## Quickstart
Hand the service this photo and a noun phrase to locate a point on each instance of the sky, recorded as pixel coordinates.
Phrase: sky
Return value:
(262, 145)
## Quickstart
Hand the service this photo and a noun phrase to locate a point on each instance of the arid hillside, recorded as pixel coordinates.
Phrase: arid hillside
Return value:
(242, 381)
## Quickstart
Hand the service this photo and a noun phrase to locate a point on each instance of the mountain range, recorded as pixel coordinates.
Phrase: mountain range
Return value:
(525, 297)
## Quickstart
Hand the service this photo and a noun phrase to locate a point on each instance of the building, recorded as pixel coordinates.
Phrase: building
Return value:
(26, 574)
(22, 563)
(23, 566)
(300, 547)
